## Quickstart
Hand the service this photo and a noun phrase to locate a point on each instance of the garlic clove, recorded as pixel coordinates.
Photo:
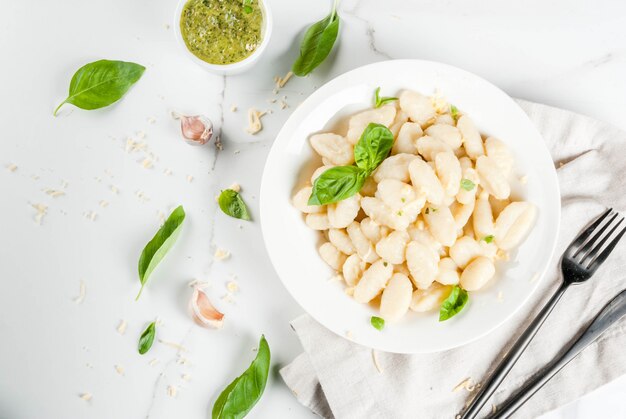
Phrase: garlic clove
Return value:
(196, 129)
(202, 311)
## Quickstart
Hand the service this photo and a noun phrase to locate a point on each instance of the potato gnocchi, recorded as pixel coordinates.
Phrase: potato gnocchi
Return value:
(437, 213)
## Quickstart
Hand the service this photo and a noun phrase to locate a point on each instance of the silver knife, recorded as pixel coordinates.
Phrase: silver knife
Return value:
(611, 313)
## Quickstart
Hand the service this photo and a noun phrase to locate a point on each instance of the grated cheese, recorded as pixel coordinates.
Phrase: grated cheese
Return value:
(54, 192)
(146, 163)
(189, 178)
(375, 359)
(42, 210)
(186, 377)
(282, 81)
(81, 293)
(11, 167)
(523, 180)
(104, 203)
(221, 254)
(232, 286)
(235, 187)
(173, 345)
(349, 290)
(467, 384)
(198, 283)
(254, 121)
(494, 409)
(237, 152)
(85, 396)
(121, 328)
(91, 215)
(151, 119)
(153, 362)
(233, 108)
(171, 391)
(119, 369)
(167, 172)
(114, 189)
(500, 297)
(283, 104)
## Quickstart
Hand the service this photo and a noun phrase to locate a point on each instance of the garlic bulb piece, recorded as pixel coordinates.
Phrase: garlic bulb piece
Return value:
(196, 129)
(202, 311)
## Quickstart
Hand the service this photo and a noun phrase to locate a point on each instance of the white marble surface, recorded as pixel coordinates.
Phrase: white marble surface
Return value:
(564, 53)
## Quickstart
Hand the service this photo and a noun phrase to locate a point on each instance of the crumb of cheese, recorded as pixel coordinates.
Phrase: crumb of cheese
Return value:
(41, 211)
(121, 328)
(119, 369)
(232, 286)
(254, 121)
(375, 359)
(12, 167)
(171, 391)
(467, 384)
(282, 81)
(186, 377)
(104, 203)
(173, 345)
(54, 192)
(189, 178)
(81, 293)
(233, 108)
(221, 254)
(85, 396)
(523, 180)
(235, 187)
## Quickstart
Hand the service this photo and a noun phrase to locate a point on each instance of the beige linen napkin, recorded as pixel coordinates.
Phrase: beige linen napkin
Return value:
(338, 378)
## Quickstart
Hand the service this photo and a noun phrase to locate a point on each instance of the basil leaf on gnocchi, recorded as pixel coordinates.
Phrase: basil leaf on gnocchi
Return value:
(453, 304)
(373, 147)
(337, 184)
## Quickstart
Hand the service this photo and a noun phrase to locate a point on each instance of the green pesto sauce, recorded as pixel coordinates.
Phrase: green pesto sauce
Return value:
(219, 31)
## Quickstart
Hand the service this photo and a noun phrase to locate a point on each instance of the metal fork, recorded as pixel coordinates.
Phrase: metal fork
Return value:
(580, 261)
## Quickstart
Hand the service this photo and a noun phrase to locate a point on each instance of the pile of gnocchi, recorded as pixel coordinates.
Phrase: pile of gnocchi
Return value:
(436, 214)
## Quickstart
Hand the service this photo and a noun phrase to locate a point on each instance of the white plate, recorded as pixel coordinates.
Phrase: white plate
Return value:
(292, 246)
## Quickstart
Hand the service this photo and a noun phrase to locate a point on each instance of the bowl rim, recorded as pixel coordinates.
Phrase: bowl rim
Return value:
(232, 68)
(302, 110)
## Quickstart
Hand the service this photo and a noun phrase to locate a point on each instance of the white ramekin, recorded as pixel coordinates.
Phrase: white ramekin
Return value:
(234, 68)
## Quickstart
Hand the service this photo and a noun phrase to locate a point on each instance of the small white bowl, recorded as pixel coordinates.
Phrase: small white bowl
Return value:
(234, 68)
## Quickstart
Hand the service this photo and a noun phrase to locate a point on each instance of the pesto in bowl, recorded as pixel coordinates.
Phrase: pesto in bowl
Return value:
(222, 32)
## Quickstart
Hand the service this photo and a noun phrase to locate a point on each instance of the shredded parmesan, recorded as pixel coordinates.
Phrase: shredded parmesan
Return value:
(198, 283)
(11, 167)
(54, 192)
(237, 152)
(91, 215)
(186, 377)
(283, 104)
(494, 408)
(282, 81)
(254, 121)
(167, 172)
(151, 119)
(233, 108)
(221, 254)
(189, 178)
(235, 187)
(500, 297)
(114, 189)
(119, 369)
(182, 360)
(153, 362)
(173, 345)
(523, 180)
(375, 359)
(81, 293)
(104, 203)
(121, 328)
(41, 211)
(171, 391)
(146, 163)
(271, 101)
(85, 396)
(232, 286)
(467, 384)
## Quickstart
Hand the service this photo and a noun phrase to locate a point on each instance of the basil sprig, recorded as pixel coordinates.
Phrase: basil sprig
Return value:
(101, 83)
(454, 112)
(317, 43)
(230, 203)
(380, 101)
(341, 182)
(453, 304)
(240, 396)
(377, 322)
(147, 338)
(160, 244)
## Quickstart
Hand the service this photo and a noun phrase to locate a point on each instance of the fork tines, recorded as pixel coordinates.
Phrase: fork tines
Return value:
(589, 243)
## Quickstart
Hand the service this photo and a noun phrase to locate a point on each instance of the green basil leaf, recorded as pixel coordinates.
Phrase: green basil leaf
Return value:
(377, 322)
(467, 184)
(453, 304)
(231, 204)
(373, 147)
(380, 101)
(160, 244)
(101, 83)
(147, 338)
(454, 112)
(488, 239)
(240, 396)
(317, 43)
(337, 184)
